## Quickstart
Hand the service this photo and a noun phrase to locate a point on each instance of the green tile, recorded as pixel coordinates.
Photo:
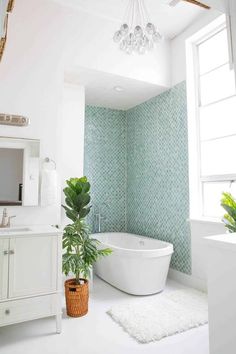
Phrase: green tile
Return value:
(137, 162)
(105, 165)
(157, 172)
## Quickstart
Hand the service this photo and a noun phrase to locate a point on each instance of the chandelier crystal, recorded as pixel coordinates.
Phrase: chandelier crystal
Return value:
(137, 34)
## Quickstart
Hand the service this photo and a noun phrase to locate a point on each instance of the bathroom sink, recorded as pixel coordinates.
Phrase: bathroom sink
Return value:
(13, 230)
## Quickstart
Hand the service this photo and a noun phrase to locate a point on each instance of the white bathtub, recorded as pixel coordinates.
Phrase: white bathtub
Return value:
(138, 265)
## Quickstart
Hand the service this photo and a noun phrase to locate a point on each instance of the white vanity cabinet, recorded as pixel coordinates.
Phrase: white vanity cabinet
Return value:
(3, 268)
(221, 269)
(30, 275)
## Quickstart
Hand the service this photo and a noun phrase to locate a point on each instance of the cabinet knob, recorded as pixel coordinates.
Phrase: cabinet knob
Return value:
(5, 253)
(11, 252)
(7, 312)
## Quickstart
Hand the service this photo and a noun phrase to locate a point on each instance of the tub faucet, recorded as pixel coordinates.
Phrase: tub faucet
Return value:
(6, 220)
(99, 217)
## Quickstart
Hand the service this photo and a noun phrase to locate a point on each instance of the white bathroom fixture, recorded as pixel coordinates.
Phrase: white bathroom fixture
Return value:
(30, 274)
(6, 219)
(137, 33)
(138, 265)
(118, 88)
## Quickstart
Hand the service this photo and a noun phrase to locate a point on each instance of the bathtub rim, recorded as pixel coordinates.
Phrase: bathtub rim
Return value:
(148, 253)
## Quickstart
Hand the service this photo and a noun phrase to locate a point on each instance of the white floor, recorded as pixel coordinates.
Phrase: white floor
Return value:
(96, 333)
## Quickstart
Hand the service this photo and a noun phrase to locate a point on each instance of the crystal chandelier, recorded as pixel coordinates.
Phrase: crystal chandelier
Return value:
(137, 33)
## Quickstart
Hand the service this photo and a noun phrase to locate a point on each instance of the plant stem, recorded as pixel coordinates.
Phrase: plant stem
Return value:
(77, 280)
(78, 274)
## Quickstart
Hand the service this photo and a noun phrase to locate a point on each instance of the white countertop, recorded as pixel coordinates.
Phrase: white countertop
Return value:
(28, 230)
(226, 241)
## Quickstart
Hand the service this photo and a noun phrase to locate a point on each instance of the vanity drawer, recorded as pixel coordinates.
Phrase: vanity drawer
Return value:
(27, 309)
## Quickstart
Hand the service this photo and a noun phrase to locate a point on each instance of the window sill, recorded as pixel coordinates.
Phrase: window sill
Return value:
(205, 220)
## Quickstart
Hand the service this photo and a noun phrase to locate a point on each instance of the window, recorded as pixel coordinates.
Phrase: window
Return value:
(214, 90)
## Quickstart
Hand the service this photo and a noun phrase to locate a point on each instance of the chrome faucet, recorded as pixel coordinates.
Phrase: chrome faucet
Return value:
(6, 220)
(99, 217)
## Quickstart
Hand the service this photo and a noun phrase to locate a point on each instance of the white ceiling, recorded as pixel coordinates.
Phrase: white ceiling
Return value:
(99, 88)
(170, 20)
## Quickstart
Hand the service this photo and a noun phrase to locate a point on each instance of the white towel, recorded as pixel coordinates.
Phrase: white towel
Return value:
(49, 187)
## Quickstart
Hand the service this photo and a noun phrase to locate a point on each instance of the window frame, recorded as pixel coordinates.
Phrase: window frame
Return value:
(196, 180)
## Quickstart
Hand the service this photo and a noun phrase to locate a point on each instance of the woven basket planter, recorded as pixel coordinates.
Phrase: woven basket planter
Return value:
(76, 298)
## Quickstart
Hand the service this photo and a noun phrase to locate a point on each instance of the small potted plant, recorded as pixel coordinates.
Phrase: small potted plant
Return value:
(228, 202)
(81, 251)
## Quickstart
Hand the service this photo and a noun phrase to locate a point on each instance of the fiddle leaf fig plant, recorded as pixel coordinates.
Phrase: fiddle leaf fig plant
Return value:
(228, 202)
(81, 251)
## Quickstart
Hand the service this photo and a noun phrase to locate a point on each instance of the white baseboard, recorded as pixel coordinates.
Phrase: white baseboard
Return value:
(187, 280)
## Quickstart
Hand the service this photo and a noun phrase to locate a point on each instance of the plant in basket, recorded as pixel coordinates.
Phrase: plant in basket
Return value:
(81, 251)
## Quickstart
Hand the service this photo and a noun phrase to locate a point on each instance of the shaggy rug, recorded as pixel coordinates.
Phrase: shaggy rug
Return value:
(153, 318)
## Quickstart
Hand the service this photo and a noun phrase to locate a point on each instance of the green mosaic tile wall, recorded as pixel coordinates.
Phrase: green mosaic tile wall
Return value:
(157, 172)
(105, 165)
(137, 162)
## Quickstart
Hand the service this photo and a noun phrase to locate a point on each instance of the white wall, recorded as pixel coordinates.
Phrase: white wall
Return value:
(44, 38)
(72, 135)
(199, 228)
(94, 48)
(178, 55)
(104, 55)
(72, 126)
(31, 84)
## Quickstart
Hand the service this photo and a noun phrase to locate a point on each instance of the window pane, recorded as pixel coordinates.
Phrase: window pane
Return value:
(218, 120)
(212, 193)
(213, 52)
(217, 84)
(218, 156)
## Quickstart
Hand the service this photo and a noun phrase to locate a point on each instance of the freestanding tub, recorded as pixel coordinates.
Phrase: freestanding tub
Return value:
(138, 265)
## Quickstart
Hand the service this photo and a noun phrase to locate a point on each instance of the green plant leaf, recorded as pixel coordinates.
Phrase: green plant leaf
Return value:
(230, 210)
(70, 213)
(86, 187)
(80, 251)
(71, 195)
(84, 212)
(82, 200)
(229, 204)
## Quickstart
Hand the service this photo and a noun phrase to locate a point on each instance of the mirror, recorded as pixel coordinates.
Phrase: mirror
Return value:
(19, 172)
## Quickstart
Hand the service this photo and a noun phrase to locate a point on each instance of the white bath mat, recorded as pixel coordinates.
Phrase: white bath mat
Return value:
(153, 318)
